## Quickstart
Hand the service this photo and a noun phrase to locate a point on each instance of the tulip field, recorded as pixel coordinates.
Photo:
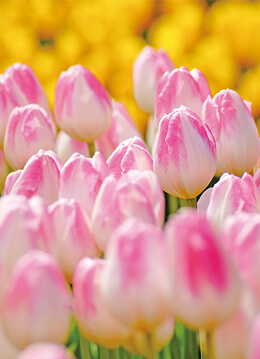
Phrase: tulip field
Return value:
(130, 180)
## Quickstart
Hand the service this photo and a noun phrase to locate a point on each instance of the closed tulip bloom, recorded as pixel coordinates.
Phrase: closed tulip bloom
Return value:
(82, 106)
(45, 350)
(204, 286)
(230, 195)
(7, 104)
(130, 154)
(28, 130)
(136, 194)
(10, 181)
(184, 154)
(232, 123)
(41, 176)
(181, 87)
(241, 238)
(26, 89)
(72, 235)
(148, 68)
(136, 278)
(94, 318)
(36, 302)
(81, 179)
(122, 128)
(66, 146)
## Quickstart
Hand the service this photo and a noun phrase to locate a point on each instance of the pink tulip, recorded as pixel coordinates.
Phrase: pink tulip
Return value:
(181, 87)
(40, 176)
(82, 106)
(232, 123)
(254, 348)
(3, 171)
(184, 154)
(28, 130)
(95, 319)
(136, 194)
(122, 128)
(130, 154)
(26, 89)
(135, 281)
(241, 238)
(148, 68)
(36, 303)
(204, 286)
(147, 343)
(7, 104)
(44, 351)
(10, 181)
(67, 146)
(81, 179)
(230, 195)
(72, 234)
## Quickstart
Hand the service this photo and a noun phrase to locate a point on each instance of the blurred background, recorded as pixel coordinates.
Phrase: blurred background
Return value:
(220, 38)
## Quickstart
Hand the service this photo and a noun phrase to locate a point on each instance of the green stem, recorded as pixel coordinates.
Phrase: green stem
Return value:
(104, 352)
(191, 202)
(112, 354)
(91, 148)
(84, 347)
(206, 344)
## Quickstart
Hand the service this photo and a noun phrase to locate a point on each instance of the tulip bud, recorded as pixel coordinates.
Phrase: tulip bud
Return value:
(122, 128)
(130, 154)
(204, 289)
(81, 179)
(67, 146)
(184, 154)
(232, 123)
(135, 281)
(36, 303)
(28, 130)
(82, 106)
(41, 176)
(44, 351)
(136, 194)
(7, 104)
(230, 195)
(181, 87)
(95, 319)
(26, 89)
(148, 68)
(72, 235)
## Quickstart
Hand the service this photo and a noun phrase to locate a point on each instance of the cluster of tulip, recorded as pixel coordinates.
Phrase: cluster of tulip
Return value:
(82, 230)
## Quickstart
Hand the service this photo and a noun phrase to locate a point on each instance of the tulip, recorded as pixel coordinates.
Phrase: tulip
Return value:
(95, 319)
(135, 281)
(204, 286)
(181, 87)
(241, 238)
(253, 347)
(72, 234)
(130, 154)
(7, 104)
(26, 89)
(122, 128)
(136, 194)
(232, 123)
(44, 351)
(10, 181)
(81, 179)
(40, 176)
(67, 146)
(184, 154)
(230, 195)
(148, 68)
(28, 130)
(82, 106)
(36, 302)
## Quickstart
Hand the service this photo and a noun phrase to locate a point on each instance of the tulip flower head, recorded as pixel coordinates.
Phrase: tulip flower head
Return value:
(66, 146)
(184, 154)
(44, 351)
(82, 106)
